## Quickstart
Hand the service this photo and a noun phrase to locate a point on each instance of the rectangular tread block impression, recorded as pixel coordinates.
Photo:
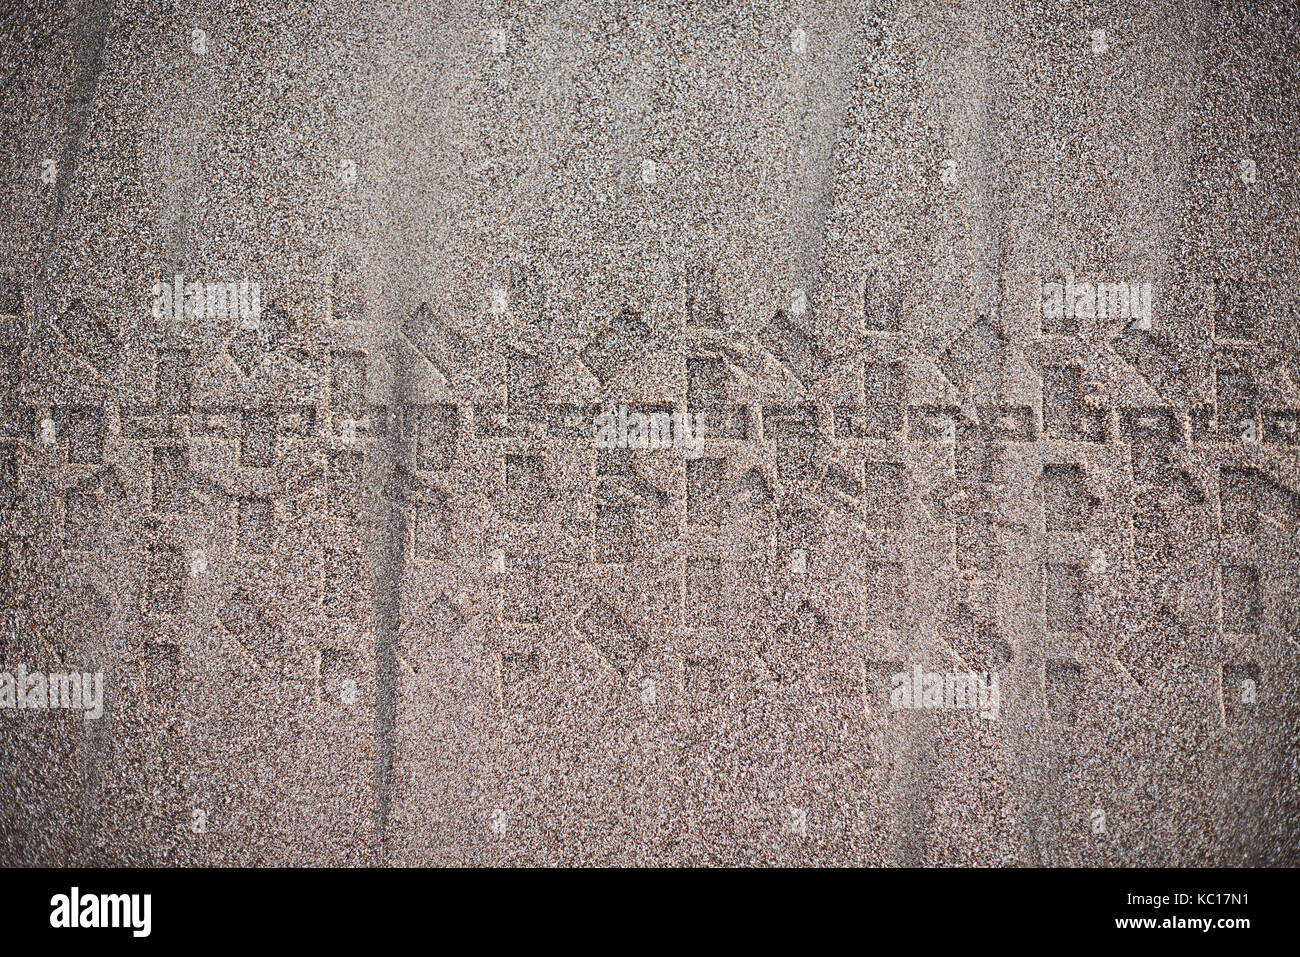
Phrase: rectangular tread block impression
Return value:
(1063, 597)
(1063, 682)
(1243, 602)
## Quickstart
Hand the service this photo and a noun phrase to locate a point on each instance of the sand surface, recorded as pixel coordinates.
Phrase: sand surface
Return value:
(363, 587)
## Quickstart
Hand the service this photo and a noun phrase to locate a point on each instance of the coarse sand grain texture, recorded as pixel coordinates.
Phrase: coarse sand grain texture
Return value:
(658, 433)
